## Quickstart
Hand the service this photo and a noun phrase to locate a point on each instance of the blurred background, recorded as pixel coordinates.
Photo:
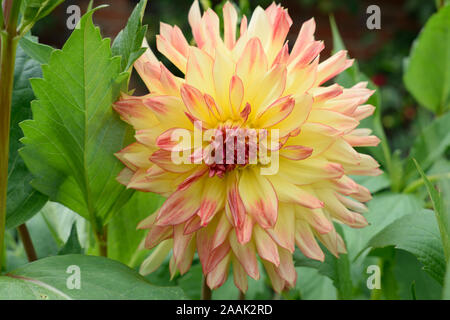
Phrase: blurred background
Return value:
(380, 53)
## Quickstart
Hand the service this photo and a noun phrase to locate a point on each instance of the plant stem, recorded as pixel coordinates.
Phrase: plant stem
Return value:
(241, 295)
(27, 243)
(413, 186)
(102, 242)
(206, 291)
(8, 58)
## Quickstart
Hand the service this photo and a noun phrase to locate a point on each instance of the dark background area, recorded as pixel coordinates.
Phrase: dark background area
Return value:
(380, 53)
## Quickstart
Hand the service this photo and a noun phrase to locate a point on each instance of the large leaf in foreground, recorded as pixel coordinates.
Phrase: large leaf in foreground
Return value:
(427, 76)
(100, 278)
(23, 201)
(70, 142)
(418, 234)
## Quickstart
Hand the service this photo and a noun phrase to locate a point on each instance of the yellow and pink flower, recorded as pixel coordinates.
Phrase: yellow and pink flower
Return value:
(230, 214)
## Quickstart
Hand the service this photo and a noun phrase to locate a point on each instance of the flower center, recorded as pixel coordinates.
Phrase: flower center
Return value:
(231, 148)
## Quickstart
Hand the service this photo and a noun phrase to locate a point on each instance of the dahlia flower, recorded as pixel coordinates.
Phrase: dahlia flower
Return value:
(231, 212)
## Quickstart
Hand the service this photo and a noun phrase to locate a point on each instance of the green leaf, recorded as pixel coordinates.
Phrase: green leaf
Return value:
(23, 201)
(34, 10)
(38, 51)
(72, 245)
(123, 238)
(431, 144)
(417, 233)
(408, 271)
(128, 43)
(100, 279)
(71, 141)
(427, 76)
(60, 219)
(384, 210)
(314, 286)
(442, 217)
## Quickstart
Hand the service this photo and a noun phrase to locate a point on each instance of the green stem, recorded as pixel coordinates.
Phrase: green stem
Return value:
(206, 291)
(102, 241)
(8, 57)
(27, 243)
(413, 186)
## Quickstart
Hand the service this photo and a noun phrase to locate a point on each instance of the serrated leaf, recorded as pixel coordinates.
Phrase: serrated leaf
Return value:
(428, 73)
(100, 279)
(23, 201)
(38, 51)
(123, 238)
(128, 43)
(417, 233)
(71, 141)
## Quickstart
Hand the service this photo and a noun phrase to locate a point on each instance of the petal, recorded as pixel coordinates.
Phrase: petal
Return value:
(165, 160)
(276, 112)
(180, 206)
(157, 257)
(333, 119)
(239, 275)
(286, 269)
(251, 67)
(135, 156)
(332, 66)
(304, 238)
(259, 198)
(284, 231)
(217, 277)
(290, 193)
(246, 256)
(271, 88)
(213, 199)
(135, 112)
(195, 103)
(296, 152)
(236, 94)
(199, 72)
(167, 49)
(223, 70)
(309, 170)
(277, 282)
(229, 20)
(297, 116)
(266, 247)
(305, 37)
